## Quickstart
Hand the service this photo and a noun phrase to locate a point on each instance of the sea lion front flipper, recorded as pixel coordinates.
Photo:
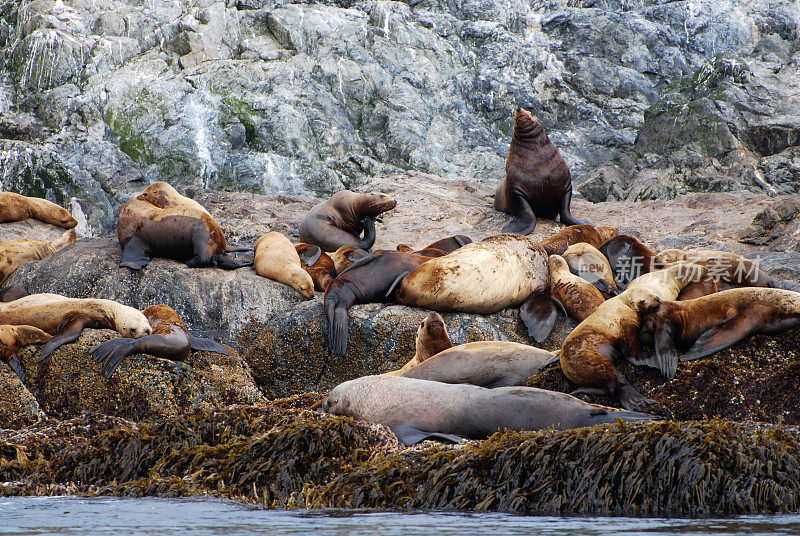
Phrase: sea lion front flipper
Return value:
(566, 216)
(368, 224)
(538, 313)
(70, 333)
(397, 281)
(560, 306)
(206, 345)
(605, 287)
(410, 435)
(135, 254)
(359, 263)
(228, 263)
(311, 255)
(631, 399)
(666, 353)
(19, 369)
(523, 220)
(722, 336)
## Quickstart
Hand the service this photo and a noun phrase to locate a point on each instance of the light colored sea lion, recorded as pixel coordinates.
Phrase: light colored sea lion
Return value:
(596, 236)
(15, 253)
(65, 318)
(339, 220)
(612, 331)
(277, 259)
(537, 183)
(12, 338)
(170, 340)
(579, 297)
(506, 270)
(629, 258)
(345, 256)
(176, 230)
(317, 264)
(416, 410)
(586, 261)
(702, 326)
(723, 265)
(16, 207)
(432, 338)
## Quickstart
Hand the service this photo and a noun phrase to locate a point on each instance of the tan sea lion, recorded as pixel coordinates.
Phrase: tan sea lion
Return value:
(277, 259)
(12, 338)
(317, 264)
(629, 258)
(432, 338)
(612, 331)
(506, 270)
(723, 265)
(15, 253)
(65, 318)
(345, 256)
(416, 410)
(339, 220)
(180, 230)
(16, 207)
(586, 261)
(579, 297)
(596, 236)
(170, 340)
(537, 183)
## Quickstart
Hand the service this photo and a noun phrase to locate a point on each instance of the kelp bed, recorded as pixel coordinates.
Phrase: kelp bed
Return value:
(281, 456)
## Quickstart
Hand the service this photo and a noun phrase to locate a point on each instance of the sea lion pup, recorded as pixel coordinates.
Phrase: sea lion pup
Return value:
(170, 340)
(432, 338)
(371, 279)
(537, 182)
(176, 230)
(345, 256)
(447, 245)
(724, 265)
(277, 259)
(14, 292)
(586, 261)
(575, 234)
(629, 258)
(416, 410)
(15, 253)
(16, 207)
(698, 328)
(505, 270)
(612, 331)
(339, 220)
(65, 318)
(12, 338)
(317, 264)
(578, 297)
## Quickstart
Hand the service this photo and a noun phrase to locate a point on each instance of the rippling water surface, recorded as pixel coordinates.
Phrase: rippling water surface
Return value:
(70, 515)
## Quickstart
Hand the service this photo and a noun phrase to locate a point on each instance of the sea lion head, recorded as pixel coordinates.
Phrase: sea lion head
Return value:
(374, 204)
(643, 300)
(526, 125)
(160, 194)
(65, 219)
(131, 322)
(302, 282)
(339, 400)
(432, 337)
(557, 264)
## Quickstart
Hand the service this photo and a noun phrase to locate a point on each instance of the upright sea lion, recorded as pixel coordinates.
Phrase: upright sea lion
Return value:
(579, 297)
(596, 236)
(432, 338)
(416, 410)
(723, 265)
(170, 340)
(176, 230)
(16, 207)
(537, 183)
(345, 256)
(12, 338)
(65, 318)
(339, 220)
(612, 331)
(447, 245)
(15, 253)
(371, 279)
(629, 258)
(317, 264)
(501, 271)
(277, 259)
(586, 261)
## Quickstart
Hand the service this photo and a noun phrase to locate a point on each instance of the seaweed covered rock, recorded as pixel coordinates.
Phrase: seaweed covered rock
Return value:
(18, 406)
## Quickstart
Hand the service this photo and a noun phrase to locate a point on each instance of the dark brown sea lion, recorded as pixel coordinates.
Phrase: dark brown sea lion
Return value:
(318, 264)
(345, 256)
(276, 258)
(698, 328)
(15, 253)
(170, 340)
(629, 258)
(595, 236)
(432, 338)
(579, 297)
(16, 207)
(12, 338)
(14, 292)
(447, 245)
(416, 410)
(177, 229)
(339, 220)
(368, 280)
(537, 182)
(723, 265)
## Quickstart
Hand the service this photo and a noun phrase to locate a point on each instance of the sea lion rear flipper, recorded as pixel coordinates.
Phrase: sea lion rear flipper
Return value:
(605, 287)
(566, 216)
(397, 281)
(228, 263)
(355, 254)
(311, 255)
(206, 345)
(409, 435)
(19, 369)
(538, 313)
(112, 353)
(135, 254)
(360, 262)
(631, 399)
(722, 336)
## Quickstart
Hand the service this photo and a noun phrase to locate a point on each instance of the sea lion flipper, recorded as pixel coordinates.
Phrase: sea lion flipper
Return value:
(369, 233)
(631, 399)
(722, 336)
(397, 281)
(538, 313)
(460, 240)
(206, 345)
(523, 220)
(356, 254)
(64, 338)
(112, 353)
(410, 435)
(360, 262)
(566, 216)
(136, 254)
(560, 306)
(19, 369)
(311, 255)
(228, 263)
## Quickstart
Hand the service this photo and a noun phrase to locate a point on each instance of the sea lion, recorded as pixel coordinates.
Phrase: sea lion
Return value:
(537, 182)
(629, 258)
(579, 297)
(586, 261)
(699, 327)
(432, 338)
(447, 245)
(612, 331)
(176, 230)
(345, 256)
(506, 270)
(16, 207)
(65, 318)
(317, 264)
(416, 410)
(14, 292)
(723, 265)
(339, 220)
(15, 253)
(371, 279)
(595, 236)
(170, 340)
(12, 338)
(277, 259)
(486, 363)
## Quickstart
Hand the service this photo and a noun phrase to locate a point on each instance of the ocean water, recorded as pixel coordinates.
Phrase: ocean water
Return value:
(112, 516)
